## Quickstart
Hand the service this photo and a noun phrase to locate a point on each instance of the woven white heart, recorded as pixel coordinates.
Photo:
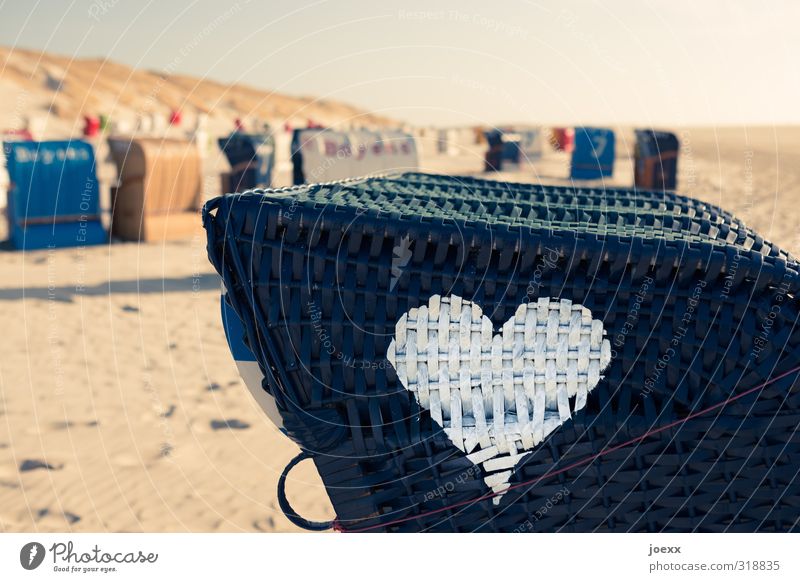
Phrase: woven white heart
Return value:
(498, 396)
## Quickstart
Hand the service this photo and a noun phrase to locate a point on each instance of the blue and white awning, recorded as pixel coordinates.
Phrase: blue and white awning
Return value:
(246, 362)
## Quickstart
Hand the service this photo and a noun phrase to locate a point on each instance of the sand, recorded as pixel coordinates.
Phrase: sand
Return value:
(115, 370)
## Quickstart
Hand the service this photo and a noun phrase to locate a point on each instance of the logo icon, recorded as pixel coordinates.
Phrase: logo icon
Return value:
(31, 555)
(401, 256)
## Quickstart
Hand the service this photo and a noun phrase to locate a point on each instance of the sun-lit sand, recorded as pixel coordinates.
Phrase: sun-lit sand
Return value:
(121, 408)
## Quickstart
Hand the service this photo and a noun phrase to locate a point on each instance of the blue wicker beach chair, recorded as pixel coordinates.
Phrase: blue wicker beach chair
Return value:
(456, 354)
(593, 156)
(54, 196)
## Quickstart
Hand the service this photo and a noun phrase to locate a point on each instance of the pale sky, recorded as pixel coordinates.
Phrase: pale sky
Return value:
(676, 62)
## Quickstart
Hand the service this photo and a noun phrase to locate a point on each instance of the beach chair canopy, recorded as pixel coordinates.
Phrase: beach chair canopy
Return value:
(160, 174)
(251, 157)
(159, 190)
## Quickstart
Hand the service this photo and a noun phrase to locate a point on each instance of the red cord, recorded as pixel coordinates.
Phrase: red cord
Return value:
(584, 461)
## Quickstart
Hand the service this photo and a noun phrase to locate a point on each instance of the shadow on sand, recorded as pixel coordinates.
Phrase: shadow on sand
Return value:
(203, 282)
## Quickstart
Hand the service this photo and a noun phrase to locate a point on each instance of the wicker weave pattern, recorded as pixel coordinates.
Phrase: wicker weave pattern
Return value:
(498, 396)
(628, 213)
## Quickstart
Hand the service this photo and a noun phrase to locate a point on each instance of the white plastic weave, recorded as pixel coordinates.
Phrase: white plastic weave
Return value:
(497, 396)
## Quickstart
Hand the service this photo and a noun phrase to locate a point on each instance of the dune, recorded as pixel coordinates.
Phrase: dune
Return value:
(63, 90)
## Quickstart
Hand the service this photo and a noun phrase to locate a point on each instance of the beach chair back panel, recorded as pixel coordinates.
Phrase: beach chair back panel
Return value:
(174, 176)
(251, 157)
(531, 144)
(54, 196)
(594, 154)
(158, 175)
(160, 186)
(656, 160)
(52, 181)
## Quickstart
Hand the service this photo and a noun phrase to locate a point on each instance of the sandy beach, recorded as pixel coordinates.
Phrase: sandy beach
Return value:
(121, 406)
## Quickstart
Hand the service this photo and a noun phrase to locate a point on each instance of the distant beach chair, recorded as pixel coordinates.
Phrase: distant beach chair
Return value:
(562, 139)
(531, 144)
(513, 155)
(251, 157)
(656, 160)
(594, 154)
(159, 190)
(458, 354)
(53, 195)
(494, 156)
(325, 155)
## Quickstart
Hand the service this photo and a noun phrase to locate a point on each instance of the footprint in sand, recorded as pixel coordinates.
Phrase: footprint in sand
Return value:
(33, 464)
(267, 524)
(230, 423)
(54, 516)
